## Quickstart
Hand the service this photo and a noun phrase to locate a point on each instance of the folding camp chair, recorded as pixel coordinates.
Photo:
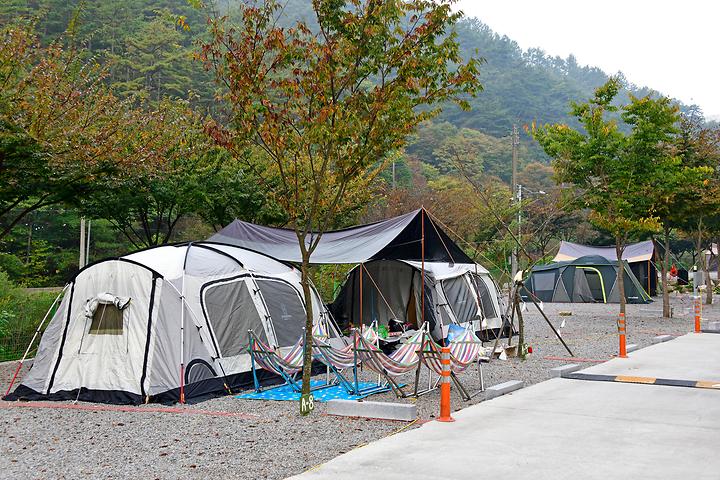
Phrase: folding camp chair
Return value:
(401, 361)
(286, 366)
(465, 349)
(340, 359)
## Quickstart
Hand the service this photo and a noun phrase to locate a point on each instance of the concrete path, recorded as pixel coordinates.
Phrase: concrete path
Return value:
(690, 357)
(569, 429)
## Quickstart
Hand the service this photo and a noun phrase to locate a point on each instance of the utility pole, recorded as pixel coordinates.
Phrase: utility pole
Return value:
(29, 243)
(393, 174)
(515, 145)
(87, 242)
(519, 202)
(81, 263)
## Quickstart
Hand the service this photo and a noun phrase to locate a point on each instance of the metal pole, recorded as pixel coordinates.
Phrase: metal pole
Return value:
(361, 294)
(422, 256)
(515, 143)
(532, 297)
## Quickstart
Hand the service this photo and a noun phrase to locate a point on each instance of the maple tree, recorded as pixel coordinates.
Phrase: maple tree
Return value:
(320, 106)
(617, 176)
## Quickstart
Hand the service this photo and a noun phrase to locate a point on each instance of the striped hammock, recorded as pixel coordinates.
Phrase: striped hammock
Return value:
(320, 331)
(464, 351)
(401, 361)
(340, 358)
(270, 359)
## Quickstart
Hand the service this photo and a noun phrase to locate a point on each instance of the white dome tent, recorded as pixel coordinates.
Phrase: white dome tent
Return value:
(165, 324)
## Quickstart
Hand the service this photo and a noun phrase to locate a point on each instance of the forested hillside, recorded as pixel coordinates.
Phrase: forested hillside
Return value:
(148, 49)
(150, 53)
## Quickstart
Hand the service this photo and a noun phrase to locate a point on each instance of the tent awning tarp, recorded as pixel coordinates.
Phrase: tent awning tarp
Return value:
(398, 238)
(634, 252)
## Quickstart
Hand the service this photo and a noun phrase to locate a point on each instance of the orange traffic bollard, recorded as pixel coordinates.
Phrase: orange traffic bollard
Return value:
(698, 306)
(621, 333)
(445, 387)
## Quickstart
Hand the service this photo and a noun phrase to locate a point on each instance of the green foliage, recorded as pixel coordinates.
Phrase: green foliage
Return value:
(20, 314)
(615, 172)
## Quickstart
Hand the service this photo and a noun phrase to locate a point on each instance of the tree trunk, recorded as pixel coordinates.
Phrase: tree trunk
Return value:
(717, 259)
(708, 280)
(307, 353)
(619, 248)
(664, 267)
(521, 327)
(703, 265)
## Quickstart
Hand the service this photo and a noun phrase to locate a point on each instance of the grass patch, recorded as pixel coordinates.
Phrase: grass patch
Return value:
(20, 314)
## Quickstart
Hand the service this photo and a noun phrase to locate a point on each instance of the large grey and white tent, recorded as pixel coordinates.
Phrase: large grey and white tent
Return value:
(166, 322)
(394, 249)
(391, 289)
(640, 257)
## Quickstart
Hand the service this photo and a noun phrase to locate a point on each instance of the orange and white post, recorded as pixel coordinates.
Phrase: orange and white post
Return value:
(698, 313)
(621, 334)
(445, 387)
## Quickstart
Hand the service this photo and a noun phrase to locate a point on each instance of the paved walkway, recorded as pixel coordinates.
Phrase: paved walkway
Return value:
(569, 429)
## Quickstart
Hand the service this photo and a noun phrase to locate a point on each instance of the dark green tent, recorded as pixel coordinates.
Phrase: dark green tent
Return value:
(589, 279)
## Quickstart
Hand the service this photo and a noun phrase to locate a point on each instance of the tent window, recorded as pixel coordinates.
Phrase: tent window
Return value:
(230, 310)
(286, 310)
(544, 281)
(107, 320)
(488, 306)
(460, 298)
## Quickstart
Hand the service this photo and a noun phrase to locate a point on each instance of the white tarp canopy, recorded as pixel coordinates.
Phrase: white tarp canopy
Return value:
(634, 252)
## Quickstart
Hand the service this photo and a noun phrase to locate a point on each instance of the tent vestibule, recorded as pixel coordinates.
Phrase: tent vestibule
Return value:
(392, 289)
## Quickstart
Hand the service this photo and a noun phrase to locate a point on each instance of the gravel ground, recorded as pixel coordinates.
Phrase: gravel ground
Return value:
(231, 438)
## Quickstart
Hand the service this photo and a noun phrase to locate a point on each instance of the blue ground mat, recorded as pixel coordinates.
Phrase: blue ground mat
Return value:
(285, 392)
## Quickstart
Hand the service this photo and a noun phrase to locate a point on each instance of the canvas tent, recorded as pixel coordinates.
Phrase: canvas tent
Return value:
(408, 241)
(589, 279)
(391, 289)
(164, 321)
(640, 256)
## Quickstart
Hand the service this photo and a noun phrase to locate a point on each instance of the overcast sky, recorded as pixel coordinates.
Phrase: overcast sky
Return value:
(670, 46)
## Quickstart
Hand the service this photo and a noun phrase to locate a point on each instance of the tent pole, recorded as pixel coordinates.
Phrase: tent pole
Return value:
(422, 257)
(362, 268)
(511, 314)
(532, 297)
(182, 328)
